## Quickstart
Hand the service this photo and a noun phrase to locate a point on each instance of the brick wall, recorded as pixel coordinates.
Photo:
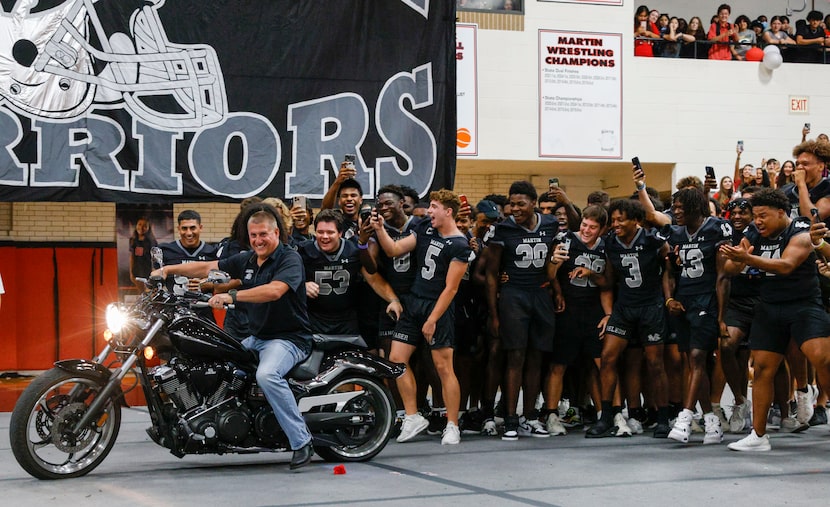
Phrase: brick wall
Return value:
(93, 221)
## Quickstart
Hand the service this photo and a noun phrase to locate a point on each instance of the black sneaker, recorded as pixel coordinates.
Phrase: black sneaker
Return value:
(601, 429)
(437, 423)
(819, 416)
(511, 428)
(662, 430)
(589, 415)
(470, 422)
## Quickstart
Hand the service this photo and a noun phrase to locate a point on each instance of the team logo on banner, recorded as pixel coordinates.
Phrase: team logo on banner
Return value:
(129, 100)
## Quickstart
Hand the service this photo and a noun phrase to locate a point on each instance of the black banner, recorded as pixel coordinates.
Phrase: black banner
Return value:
(192, 100)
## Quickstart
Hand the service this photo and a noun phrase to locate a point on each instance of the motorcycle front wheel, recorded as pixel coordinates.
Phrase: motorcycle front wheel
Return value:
(361, 442)
(41, 425)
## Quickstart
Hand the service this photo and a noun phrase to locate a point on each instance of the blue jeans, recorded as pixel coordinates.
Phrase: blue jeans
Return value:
(276, 358)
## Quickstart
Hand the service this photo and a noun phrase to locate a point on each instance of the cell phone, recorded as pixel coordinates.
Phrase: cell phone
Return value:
(300, 202)
(349, 159)
(814, 213)
(637, 164)
(463, 199)
(740, 146)
(710, 172)
(807, 126)
(643, 24)
(553, 182)
(365, 214)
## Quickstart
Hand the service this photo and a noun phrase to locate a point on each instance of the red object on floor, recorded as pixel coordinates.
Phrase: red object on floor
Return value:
(339, 470)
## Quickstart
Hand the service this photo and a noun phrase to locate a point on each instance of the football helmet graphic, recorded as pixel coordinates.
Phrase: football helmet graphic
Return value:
(57, 60)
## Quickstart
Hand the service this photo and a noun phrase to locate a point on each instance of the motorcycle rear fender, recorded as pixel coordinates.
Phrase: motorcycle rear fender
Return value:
(361, 360)
(85, 366)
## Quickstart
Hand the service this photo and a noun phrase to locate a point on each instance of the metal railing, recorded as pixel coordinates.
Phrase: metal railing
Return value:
(788, 51)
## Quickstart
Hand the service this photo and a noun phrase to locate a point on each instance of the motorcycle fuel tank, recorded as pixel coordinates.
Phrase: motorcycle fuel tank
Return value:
(200, 338)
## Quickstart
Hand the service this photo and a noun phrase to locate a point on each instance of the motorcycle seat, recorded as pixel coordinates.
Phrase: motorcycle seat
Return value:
(310, 367)
(335, 341)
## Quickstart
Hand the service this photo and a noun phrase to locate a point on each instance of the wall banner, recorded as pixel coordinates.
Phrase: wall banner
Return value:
(193, 100)
(466, 61)
(580, 94)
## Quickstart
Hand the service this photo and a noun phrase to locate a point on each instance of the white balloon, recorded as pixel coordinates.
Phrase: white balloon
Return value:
(772, 48)
(773, 60)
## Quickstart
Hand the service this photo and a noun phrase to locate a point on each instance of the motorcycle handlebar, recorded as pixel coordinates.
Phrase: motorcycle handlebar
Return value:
(204, 304)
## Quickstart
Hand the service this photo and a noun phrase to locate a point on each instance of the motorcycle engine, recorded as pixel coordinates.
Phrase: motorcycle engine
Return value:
(197, 384)
(204, 394)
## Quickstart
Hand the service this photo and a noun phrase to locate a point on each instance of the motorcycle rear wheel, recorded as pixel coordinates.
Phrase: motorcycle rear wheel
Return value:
(40, 426)
(362, 443)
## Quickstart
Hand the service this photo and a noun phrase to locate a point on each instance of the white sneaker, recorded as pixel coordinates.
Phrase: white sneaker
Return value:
(714, 430)
(554, 425)
(751, 443)
(804, 402)
(635, 425)
(489, 428)
(793, 425)
(682, 426)
(532, 428)
(451, 435)
(622, 426)
(412, 425)
(741, 419)
(563, 407)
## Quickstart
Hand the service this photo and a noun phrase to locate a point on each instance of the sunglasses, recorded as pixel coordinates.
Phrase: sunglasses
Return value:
(738, 204)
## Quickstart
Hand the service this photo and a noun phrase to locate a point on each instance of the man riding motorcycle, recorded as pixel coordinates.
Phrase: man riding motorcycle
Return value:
(273, 282)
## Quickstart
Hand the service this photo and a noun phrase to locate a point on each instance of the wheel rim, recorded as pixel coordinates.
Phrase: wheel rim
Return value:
(50, 445)
(362, 440)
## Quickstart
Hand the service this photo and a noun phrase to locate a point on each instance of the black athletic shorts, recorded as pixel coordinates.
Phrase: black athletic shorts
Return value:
(416, 311)
(640, 325)
(576, 332)
(698, 327)
(740, 311)
(775, 324)
(526, 319)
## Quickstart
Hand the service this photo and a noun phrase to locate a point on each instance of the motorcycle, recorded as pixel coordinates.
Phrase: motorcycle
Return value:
(203, 398)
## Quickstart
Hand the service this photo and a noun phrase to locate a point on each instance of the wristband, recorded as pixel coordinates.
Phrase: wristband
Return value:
(232, 294)
(641, 186)
(669, 301)
(394, 300)
(362, 246)
(820, 244)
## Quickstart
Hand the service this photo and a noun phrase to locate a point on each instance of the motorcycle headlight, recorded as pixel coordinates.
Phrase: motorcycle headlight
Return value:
(116, 318)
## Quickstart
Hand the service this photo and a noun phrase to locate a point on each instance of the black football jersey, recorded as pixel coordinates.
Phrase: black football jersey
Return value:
(524, 251)
(637, 266)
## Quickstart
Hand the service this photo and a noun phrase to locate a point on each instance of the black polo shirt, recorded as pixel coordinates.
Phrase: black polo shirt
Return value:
(285, 318)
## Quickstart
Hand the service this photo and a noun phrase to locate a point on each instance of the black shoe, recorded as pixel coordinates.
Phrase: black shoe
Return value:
(819, 416)
(437, 423)
(601, 430)
(302, 457)
(470, 423)
(662, 430)
(589, 414)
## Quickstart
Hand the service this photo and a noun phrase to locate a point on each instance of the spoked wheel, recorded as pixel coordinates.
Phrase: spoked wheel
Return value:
(375, 416)
(41, 426)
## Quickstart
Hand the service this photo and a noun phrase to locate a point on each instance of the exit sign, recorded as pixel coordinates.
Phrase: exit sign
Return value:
(799, 104)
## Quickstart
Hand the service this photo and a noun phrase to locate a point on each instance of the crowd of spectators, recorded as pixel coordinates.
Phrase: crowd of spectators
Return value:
(490, 5)
(769, 173)
(659, 34)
